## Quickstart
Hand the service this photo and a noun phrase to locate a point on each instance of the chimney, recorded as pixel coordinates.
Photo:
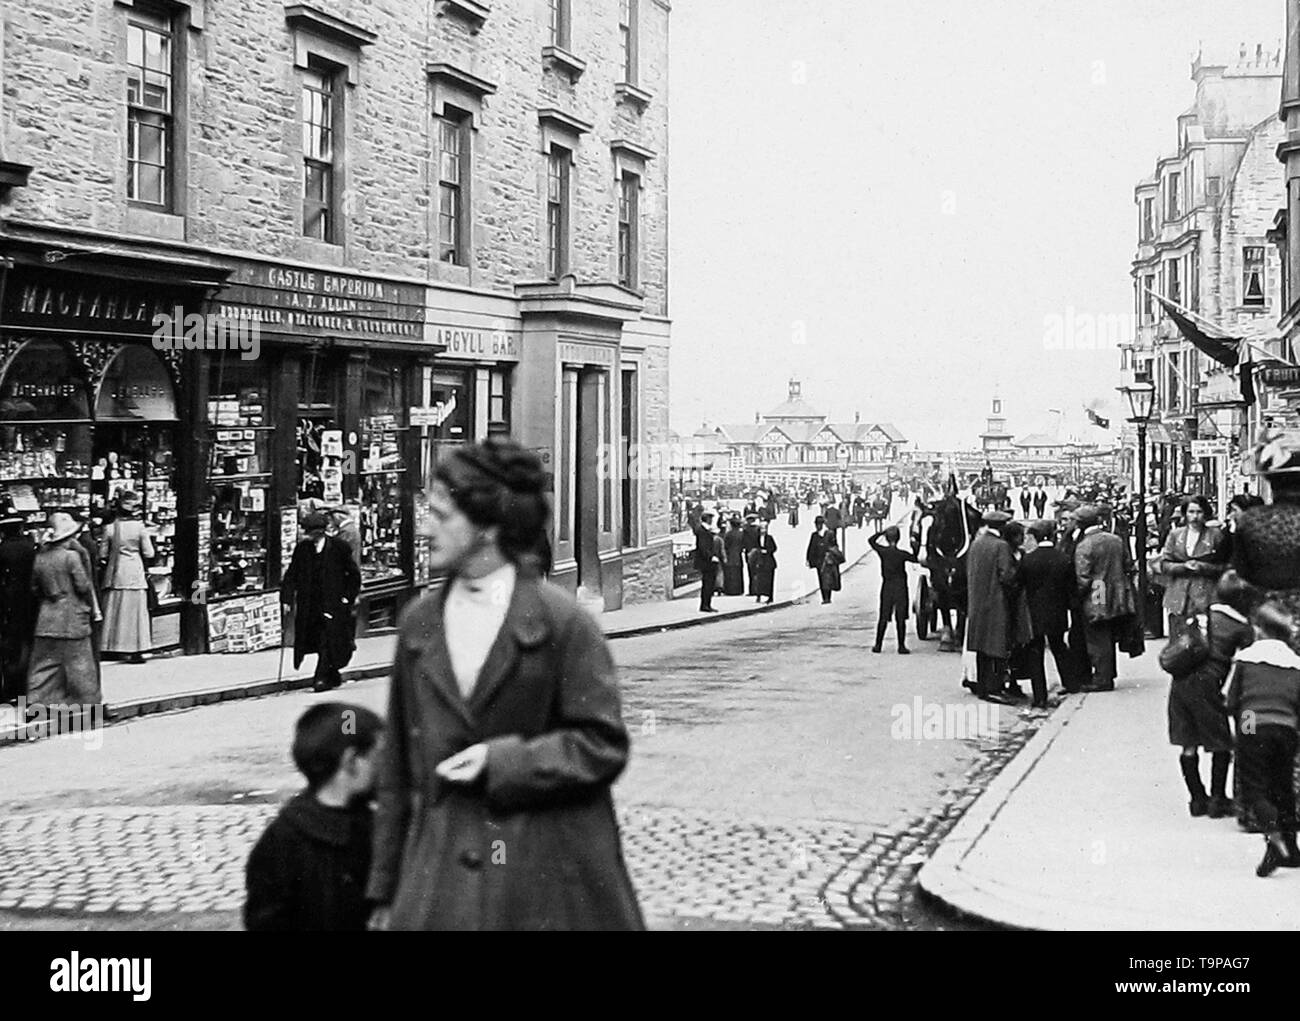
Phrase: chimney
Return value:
(756, 418)
(857, 418)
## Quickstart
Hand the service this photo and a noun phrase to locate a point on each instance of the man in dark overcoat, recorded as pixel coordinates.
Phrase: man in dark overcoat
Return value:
(323, 581)
(1048, 577)
(708, 560)
(990, 573)
(17, 607)
(1106, 594)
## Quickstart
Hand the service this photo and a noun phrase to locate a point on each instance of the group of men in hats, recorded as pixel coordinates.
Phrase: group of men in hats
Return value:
(1071, 592)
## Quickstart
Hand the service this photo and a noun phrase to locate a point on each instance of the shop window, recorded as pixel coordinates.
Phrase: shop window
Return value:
(234, 558)
(149, 108)
(383, 467)
(134, 450)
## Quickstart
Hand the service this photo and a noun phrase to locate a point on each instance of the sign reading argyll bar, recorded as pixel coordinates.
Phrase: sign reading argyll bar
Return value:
(313, 302)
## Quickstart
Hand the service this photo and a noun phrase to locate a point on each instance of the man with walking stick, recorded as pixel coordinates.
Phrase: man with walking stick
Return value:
(324, 580)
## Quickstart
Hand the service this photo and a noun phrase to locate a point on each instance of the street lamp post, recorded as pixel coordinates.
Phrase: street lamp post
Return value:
(1141, 398)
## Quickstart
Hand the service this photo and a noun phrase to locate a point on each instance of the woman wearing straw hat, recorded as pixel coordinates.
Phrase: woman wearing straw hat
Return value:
(125, 547)
(63, 667)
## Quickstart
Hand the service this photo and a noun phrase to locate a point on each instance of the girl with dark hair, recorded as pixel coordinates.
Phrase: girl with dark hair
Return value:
(505, 728)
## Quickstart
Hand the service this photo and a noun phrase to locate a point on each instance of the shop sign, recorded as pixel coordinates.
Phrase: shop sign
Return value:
(479, 345)
(93, 304)
(1210, 448)
(1286, 375)
(586, 354)
(136, 388)
(315, 302)
(42, 383)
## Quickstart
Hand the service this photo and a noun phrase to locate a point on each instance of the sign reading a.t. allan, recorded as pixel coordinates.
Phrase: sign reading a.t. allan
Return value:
(479, 345)
(309, 302)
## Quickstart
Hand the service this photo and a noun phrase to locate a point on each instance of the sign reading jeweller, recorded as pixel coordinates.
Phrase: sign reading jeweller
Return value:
(309, 302)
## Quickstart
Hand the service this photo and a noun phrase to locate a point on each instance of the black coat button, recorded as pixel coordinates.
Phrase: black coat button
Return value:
(471, 859)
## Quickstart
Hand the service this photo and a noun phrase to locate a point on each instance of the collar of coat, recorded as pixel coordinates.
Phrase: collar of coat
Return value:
(1272, 652)
(1228, 612)
(528, 624)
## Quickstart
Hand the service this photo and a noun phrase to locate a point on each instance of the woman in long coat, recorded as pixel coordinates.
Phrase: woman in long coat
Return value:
(125, 547)
(733, 563)
(762, 564)
(504, 729)
(324, 581)
(824, 557)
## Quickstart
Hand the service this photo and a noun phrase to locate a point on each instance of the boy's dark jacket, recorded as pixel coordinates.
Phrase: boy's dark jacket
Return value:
(308, 871)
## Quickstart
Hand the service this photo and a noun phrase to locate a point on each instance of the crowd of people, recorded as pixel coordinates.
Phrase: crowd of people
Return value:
(1063, 584)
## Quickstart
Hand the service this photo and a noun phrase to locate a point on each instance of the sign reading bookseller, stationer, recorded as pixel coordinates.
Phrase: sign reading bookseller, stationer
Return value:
(309, 302)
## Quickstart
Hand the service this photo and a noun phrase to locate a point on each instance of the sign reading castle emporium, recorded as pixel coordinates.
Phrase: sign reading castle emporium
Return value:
(309, 302)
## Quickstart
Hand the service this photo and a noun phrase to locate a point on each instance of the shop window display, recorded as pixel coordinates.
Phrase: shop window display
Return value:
(45, 434)
(140, 459)
(239, 479)
(44, 468)
(383, 467)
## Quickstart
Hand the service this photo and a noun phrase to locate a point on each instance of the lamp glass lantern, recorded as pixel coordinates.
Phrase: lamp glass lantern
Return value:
(1141, 401)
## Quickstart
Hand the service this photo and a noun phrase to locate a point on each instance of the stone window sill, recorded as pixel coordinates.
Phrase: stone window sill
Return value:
(154, 223)
(562, 60)
(633, 95)
(471, 12)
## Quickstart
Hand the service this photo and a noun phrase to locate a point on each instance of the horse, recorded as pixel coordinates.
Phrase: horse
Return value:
(947, 526)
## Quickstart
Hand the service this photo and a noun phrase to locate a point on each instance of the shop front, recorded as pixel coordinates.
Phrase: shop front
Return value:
(89, 406)
(322, 420)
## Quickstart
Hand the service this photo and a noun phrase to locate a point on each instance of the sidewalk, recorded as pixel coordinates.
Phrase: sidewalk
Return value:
(183, 682)
(1087, 828)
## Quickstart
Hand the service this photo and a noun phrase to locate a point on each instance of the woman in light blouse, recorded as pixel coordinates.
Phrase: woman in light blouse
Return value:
(504, 728)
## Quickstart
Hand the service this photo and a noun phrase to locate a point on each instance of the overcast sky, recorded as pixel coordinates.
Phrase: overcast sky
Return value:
(911, 189)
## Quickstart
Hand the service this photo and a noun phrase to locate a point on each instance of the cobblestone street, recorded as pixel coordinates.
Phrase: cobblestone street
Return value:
(767, 789)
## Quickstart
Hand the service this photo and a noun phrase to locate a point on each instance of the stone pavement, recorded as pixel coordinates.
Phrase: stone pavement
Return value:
(1088, 828)
(183, 682)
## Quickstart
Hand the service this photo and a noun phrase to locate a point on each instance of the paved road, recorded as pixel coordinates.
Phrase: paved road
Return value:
(772, 784)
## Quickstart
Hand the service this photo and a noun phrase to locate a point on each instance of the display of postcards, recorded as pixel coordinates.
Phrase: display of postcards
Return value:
(225, 436)
(249, 434)
(218, 645)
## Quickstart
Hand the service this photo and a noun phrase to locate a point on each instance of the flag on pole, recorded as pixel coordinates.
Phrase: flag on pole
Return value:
(1096, 419)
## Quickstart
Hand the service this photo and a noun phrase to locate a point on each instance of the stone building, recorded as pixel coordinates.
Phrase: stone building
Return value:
(1282, 383)
(1204, 217)
(794, 436)
(440, 221)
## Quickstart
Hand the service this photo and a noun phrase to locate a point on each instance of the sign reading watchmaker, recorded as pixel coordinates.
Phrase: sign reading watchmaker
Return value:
(309, 302)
